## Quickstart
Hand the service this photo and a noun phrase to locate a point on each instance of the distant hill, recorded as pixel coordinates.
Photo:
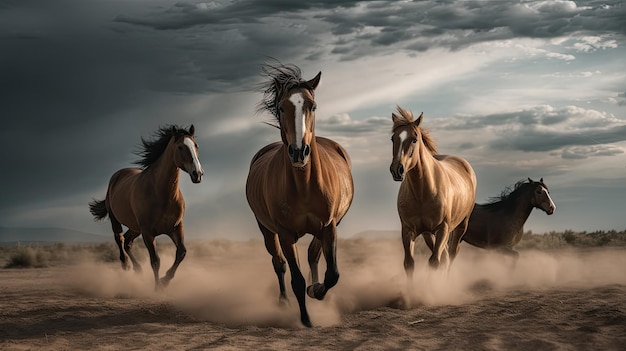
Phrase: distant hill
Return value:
(11, 236)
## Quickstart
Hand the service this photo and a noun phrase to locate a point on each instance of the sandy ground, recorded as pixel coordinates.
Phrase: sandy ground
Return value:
(225, 297)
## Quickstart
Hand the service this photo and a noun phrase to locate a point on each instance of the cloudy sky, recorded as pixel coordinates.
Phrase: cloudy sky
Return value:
(520, 89)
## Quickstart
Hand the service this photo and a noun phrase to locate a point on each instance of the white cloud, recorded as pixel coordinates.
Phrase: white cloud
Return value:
(558, 56)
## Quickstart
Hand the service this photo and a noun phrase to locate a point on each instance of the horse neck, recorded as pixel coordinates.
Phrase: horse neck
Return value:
(310, 176)
(520, 209)
(164, 172)
(422, 176)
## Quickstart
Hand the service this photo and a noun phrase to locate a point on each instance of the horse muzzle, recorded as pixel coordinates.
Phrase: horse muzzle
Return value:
(397, 171)
(548, 208)
(196, 176)
(299, 156)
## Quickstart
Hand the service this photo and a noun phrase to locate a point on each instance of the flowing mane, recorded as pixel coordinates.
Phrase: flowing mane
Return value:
(281, 79)
(405, 119)
(509, 195)
(151, 149)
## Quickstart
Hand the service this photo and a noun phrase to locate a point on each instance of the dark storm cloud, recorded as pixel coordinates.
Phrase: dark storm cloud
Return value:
(187, 14)
(359, 27)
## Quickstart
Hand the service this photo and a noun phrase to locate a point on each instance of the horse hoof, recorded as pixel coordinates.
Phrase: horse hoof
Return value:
(307, 323)
(316, 291)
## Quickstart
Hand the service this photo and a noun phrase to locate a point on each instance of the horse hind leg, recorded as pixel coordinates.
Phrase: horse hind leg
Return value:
(514, 255)
(272, 245)
(129, 238)
(181, 251)
(118, 235)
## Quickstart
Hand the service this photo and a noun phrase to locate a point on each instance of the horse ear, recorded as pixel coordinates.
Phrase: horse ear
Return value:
(541, 180)
(395, 118)
(418, 121)
(192, 130)
(530, 180)
(315, 81)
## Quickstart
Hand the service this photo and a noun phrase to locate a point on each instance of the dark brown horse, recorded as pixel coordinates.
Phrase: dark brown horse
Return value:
(499, 225)
(302, 184)
(147, 200)
(437, 192)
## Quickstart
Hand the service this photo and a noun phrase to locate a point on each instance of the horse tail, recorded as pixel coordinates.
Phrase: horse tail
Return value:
(98, 209)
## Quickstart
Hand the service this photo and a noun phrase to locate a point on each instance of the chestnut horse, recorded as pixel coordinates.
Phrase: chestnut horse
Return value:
(499, 224)
(148, 201)
(302, 184)
(437, 192)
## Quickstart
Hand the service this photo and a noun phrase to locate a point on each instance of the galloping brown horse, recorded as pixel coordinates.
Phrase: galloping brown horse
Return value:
(148, 201)
(499, 224)
(302, 184)
(437, 191)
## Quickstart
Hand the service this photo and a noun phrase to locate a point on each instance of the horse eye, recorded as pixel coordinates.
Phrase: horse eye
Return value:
(313, 108)
(414, 141)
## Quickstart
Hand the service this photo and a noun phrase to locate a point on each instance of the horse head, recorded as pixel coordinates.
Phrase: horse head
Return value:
(186, 154)
(296, 110)
(407, 138)
(541, 197)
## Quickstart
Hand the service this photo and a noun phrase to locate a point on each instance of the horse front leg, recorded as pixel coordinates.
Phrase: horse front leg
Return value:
(155, 261)
(440, 250)
(178, 237)
(314, 254)
(329, 247)
(455, 239)
(408, 242)
(298, 284)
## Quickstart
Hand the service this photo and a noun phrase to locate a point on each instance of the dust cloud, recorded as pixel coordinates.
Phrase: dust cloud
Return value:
(233, 282)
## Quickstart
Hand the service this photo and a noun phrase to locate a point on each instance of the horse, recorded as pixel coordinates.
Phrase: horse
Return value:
(301, 184)
(148, 201)
(436, 194)
(499, 224)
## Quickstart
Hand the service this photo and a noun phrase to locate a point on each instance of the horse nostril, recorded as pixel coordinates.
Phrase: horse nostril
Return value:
(290, 150)
(401, 170)
(306, 151)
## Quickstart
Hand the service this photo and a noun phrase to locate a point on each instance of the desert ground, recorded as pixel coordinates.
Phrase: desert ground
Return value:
(225, 297)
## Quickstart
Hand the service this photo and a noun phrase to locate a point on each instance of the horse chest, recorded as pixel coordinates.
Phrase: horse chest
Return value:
(302, 215)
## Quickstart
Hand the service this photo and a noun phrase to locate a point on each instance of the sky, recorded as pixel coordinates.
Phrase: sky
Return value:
(518, 88)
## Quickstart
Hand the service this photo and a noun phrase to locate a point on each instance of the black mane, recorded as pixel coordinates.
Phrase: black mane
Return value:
(151, 149)
(281, 79)
(510, 194)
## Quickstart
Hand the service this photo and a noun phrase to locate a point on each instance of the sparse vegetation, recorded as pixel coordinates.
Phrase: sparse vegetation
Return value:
(27, 257)
(39, 255)
(570, 238)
